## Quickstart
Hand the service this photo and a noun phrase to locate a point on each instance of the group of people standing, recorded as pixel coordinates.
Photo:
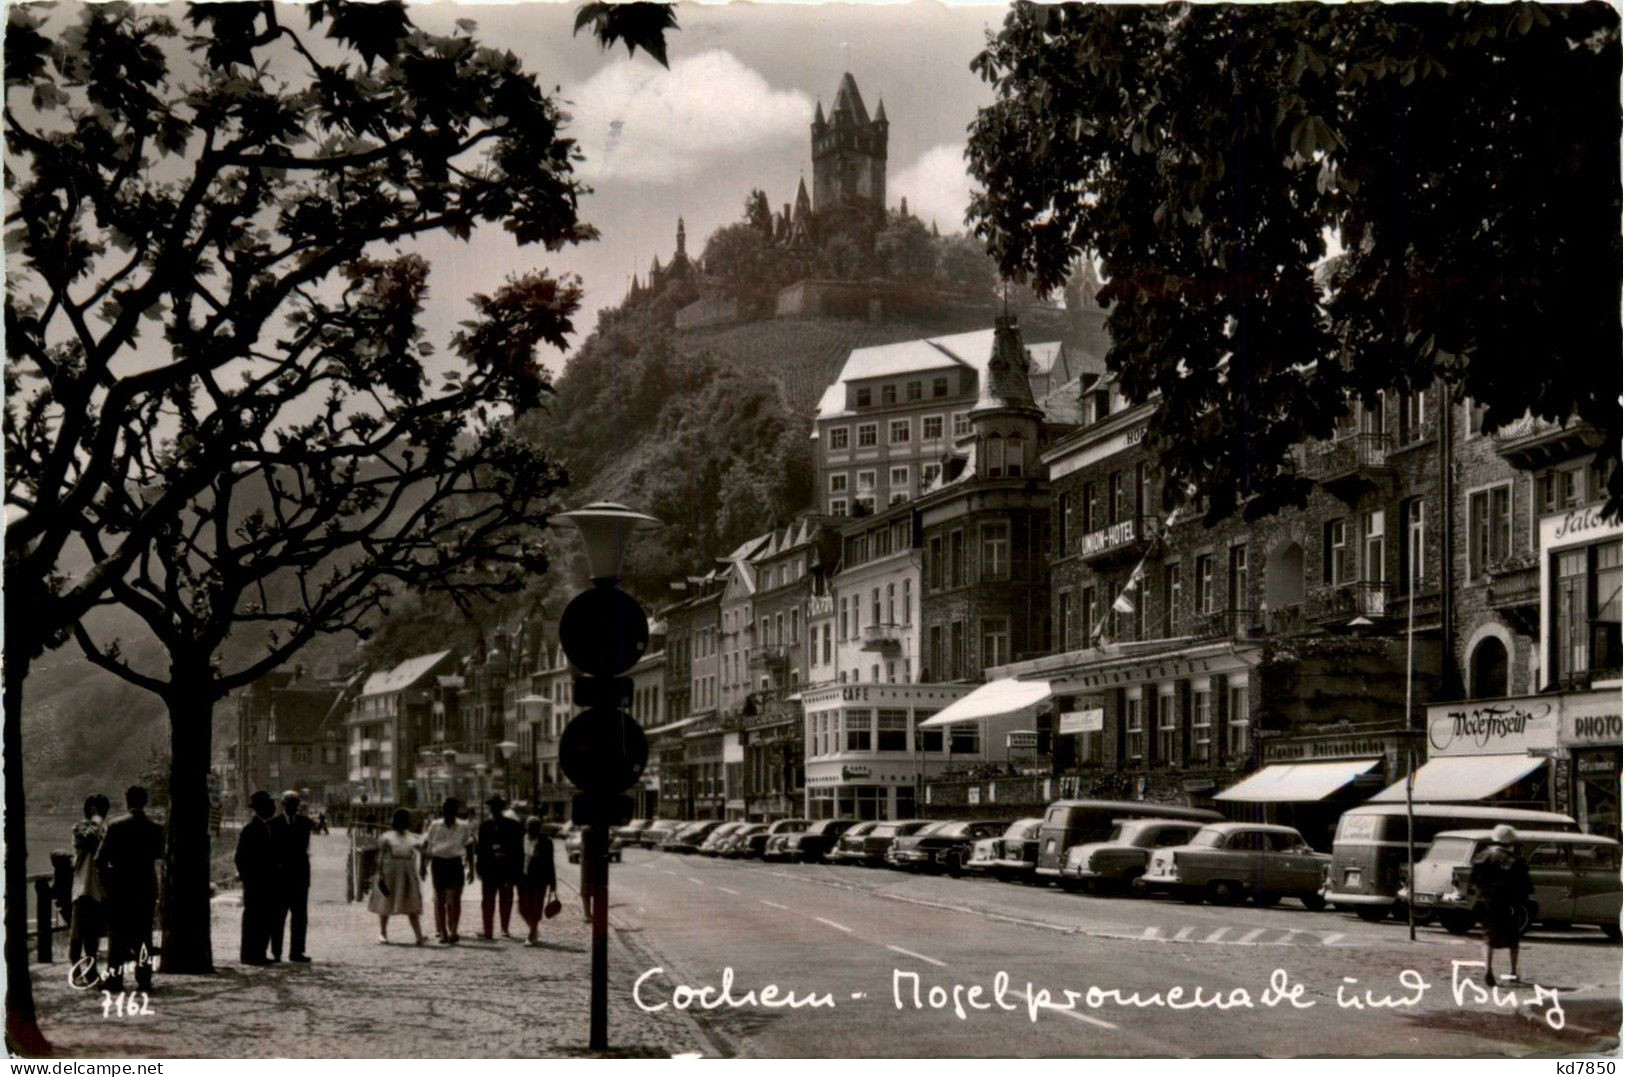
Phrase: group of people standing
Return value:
(273, 862)
(514, 861)
(115, 890)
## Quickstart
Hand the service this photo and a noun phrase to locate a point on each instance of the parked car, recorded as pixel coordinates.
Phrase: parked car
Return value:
(1078, 822)
(687, 839)
(629, 832)
(658, 831)
(755, 845)
(946, 847)
(848, 848)
(572, 846)
(1369, 851)
(1225, 862)
(1575, 877)
(737, 844)
(714, 840)
(1121, 859)
(817, 841)
(778, 846)
(1013, 854)
(870, 848)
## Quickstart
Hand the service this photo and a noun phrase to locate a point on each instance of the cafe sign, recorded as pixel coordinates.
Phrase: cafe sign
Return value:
(1492, 727)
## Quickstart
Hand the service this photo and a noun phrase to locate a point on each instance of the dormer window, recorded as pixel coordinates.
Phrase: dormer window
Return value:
(864, 397)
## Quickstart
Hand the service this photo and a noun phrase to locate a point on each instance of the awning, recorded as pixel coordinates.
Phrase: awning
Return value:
(1286, 783)
(670, 726)
(996, 699)
(1462, 777)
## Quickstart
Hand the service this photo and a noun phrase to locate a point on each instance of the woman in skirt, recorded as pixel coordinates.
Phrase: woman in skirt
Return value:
(396, 891)
(537, 881)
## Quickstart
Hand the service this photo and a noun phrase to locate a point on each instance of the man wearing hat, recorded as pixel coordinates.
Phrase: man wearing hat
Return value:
(290, 839)
(127, 862)
(499, 854)
(1501, 877)
(257, 868)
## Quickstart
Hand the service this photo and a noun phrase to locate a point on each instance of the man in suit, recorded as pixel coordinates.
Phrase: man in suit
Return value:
(127, 864)
(257, 868)
(499, 854)
(290, 838)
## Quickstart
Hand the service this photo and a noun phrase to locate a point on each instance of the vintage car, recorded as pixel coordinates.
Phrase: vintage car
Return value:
(944, 847)
(1575, 877)
(737, 844)
(572, 846)
(687, 839)
(755, 845)
(714, 841)
(848, 848)
(1013, 854)
(1078, 822)
(657, 831)
(870, 847)
(629, 832)
(1121, 859)
(814, 844)
(1224, 862)
(1369, 852)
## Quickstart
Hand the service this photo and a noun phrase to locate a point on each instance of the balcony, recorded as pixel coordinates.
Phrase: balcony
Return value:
(1345, 601)
(1532, 443)
(1227, 624)
(1514, 591)
(770, 659)
(882, 636)
(1350, 465)
(1123, 541)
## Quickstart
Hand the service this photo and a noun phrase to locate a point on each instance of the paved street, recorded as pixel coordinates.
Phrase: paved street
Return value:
(846, 933)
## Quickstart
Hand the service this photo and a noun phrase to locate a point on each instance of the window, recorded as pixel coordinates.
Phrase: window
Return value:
(928, 475)
(908, 601)
(837, 483)
(1204, 583)
(1091, 518)
(931, 428)
(1475, 418)
(939, 386)
(926, 740)
(837, 506)
(1142, 490)
(993, 449)
(827, 633)
(899, 479)
(995, 642)
(1586, 614)
(1238, 579)
(1063, 514)
(965, 739)
(956, 559)
(1100, 405)
(864, 399)
(874, 606)
(840, 438)
(1374, 546)
(934, 580)
(1412, 555)
(1236, 743)
(891, 730)
(1565, 488)
(1413, 410)
(898, 432)
(1140, 603)
(1133, 725)
(935, 654)
(913, 390)
(868, 435)
(1201, 726)
(1114, 496)
(858, 734)
(888, 394)
(956, 649)
(1167, 727)
(845, 631)
(996, 551)
(1170, 600)
(1335, 563)
(866, 480)
(961, 423)
(1489, 528)
(1063, 619)
(891, 603)
(1086, 610)
(1014, 456)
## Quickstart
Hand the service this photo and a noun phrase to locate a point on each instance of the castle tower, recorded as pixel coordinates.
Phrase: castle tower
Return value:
(682, 243)
(849, 152)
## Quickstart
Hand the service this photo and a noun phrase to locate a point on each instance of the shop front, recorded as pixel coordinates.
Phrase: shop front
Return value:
(867, 756)
(1490, 751)
(1588, 733)
(1309, 781)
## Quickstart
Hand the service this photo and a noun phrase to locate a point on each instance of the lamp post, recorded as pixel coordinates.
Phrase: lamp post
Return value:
(507, 748)
(602, 751)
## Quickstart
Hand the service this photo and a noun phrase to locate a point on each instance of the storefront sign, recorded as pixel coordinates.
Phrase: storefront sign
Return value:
(1091, 720)
(1577, 524)
(1107, 538)
(1022, 740)
(1325, 748)
(1502, 727)
(1597, 763)
(1598, 724)
(973, 795)
(848, 773)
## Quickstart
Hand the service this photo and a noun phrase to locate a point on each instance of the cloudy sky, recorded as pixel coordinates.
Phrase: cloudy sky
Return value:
(731, 114)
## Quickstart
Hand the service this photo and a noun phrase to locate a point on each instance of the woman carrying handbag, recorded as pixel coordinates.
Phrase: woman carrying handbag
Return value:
(538, 886)
(396, 891)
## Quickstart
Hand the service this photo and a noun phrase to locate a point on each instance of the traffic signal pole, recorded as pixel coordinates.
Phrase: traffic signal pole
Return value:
(598, 1036)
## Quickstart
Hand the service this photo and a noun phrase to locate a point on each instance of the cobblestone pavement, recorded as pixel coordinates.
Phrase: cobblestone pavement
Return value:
(362, 999)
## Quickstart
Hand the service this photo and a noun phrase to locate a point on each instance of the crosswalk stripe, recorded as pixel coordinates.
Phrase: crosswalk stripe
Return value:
(1217, 935)
(1332, 938)
(1151, 933)
(1183, 933)
(1251, 935)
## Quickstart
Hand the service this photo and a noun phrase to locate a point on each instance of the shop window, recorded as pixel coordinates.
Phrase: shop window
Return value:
(1586, 614)
(859, 736)
(965, 739)
(1489, 528)
(891, 730)
(926, 740)
(1489, 669)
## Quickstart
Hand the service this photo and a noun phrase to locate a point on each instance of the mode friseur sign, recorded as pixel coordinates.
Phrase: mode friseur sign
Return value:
(1493, 727)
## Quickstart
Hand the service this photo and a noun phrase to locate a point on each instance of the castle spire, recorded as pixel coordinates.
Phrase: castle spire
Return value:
(850, 101)
(1005, 386)
(818, 115)
(682, 240)
(880, 112)
(803, 203)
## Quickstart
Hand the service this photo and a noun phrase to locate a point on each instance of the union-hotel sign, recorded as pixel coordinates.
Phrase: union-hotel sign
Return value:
(1109, 538)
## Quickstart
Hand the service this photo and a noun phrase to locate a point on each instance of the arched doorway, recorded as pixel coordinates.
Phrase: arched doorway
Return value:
(1489, 669)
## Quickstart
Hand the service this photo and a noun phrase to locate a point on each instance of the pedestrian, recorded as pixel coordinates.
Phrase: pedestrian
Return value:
(589, 880)
(498, 859)
(396, 891)
(127, 862)
(321, 821)
(538, 884)
(256, 861)
(290, 835)
(447, 848)
(85, 898)
(1500, 876)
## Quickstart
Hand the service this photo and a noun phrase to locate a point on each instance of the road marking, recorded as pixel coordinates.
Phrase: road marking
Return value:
(725, 890)
(668, 871)
(1076, 1016)
(833, 924)
(1183, 933)
(1217, 935)
(1251, 935)
(1285, 940)
(773, 904)
(1331, 939)
(695, 881)
(1151, 933)
(911, 953)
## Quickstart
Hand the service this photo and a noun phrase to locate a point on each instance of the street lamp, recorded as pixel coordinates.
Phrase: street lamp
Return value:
(507, 748)
(603, 632)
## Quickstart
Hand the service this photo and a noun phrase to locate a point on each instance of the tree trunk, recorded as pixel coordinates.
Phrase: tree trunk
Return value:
(186, 911)
(23, 1036)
